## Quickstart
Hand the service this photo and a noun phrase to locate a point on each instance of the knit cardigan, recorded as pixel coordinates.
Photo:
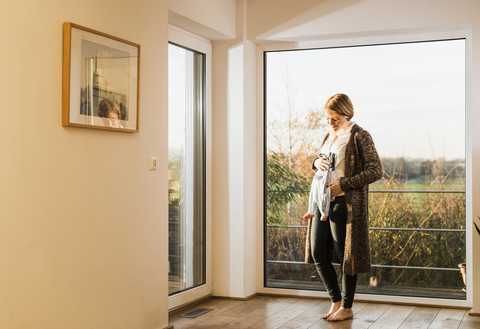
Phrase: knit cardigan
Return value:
(362, 167)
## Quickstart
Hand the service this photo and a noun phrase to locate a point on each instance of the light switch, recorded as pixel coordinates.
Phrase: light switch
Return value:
(152, 163)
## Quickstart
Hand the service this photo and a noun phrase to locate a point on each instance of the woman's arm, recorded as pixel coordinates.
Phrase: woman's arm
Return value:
(372, 166)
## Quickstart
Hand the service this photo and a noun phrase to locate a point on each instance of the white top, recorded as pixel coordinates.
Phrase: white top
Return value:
(337, 147)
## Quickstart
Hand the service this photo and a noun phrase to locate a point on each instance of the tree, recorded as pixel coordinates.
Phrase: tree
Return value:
(283, 188)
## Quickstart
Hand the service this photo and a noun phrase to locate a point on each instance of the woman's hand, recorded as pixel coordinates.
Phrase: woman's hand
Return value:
(322, 164)
(335, 188)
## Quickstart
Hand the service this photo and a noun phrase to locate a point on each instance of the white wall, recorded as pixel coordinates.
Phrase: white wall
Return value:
(83, 222)
(234, 180)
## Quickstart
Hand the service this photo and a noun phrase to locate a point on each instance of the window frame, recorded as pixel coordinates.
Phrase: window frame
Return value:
(461, 32)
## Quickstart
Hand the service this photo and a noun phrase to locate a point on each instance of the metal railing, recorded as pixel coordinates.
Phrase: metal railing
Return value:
(386, 229)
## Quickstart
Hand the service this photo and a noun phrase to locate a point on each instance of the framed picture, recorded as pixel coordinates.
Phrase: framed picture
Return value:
(100, 80)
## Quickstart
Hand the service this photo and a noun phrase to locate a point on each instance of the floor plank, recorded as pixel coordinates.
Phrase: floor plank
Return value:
(270, 312)
(273, 307)
(393, 317)
(369, 314)
(470, 322)
(448, 319)
(309, 317)
(244, 307)
(244, 322)
(215, 322)
(254, 311)
(280, 318)
(420, 318)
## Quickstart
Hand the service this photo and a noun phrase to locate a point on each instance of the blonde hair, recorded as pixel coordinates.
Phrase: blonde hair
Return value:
(341, 104)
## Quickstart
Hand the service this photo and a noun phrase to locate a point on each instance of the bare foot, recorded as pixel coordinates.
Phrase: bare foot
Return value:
(333, 309)
(307, 216)
(341, 314)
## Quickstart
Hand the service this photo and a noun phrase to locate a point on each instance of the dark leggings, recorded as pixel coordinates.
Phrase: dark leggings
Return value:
(323, 234)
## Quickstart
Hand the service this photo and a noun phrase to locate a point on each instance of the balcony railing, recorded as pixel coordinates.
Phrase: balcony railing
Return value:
(387, 267)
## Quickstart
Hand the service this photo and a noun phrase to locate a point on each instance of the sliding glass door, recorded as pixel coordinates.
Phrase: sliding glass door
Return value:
(411, 98)
(187, 171)
(186, 178)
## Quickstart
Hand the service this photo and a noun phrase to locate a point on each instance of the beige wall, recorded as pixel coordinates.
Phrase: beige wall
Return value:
(264, 16)
(83, 222)
(212, 19)
(336, 19)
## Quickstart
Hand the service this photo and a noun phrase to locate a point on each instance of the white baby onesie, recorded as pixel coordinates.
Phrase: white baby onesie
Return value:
(320, 194)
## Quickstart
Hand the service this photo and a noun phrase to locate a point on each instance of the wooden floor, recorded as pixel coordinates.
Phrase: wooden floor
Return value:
(288, 312)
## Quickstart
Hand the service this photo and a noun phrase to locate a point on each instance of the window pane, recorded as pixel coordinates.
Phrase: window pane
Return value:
(411, 98)
(186, 194)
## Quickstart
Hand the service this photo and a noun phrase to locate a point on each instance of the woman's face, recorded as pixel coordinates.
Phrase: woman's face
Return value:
(336, 121)
(113, 122)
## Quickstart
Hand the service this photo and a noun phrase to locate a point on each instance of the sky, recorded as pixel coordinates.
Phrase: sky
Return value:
(179, 62)
(410, 96)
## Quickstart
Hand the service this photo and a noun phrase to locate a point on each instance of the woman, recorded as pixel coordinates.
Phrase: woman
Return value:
(357, 165)
(108, 108)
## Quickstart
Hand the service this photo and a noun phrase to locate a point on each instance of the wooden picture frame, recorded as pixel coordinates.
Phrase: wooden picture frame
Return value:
(100, 80)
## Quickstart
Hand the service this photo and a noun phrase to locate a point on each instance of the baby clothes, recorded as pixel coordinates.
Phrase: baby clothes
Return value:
(320, 194)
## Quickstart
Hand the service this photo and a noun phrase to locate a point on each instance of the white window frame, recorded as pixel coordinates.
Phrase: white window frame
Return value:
(197, 43)
(422, 35)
